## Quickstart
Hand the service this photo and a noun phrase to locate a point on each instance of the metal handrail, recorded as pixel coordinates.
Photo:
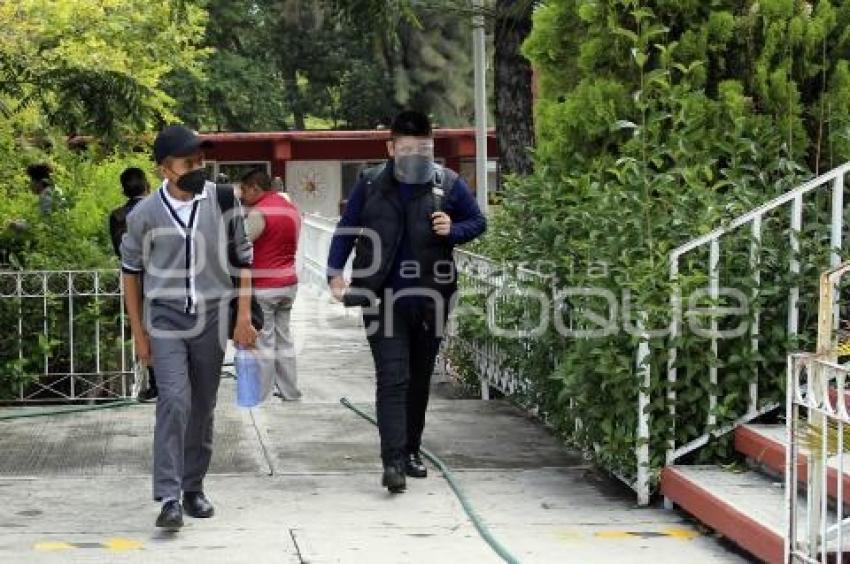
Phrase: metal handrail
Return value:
(833, 180)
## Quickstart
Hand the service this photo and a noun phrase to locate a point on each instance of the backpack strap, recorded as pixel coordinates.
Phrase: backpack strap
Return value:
(225, 194)
(444, 181)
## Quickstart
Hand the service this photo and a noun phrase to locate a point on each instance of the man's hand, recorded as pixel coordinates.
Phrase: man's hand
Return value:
(338, 287)
(244, 335)
(442, 223)
(143, 347)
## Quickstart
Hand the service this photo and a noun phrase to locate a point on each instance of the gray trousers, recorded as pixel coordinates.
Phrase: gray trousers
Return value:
(275, 344)
(188, 372)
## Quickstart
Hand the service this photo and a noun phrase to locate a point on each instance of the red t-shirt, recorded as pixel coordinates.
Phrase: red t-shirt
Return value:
(275, 248)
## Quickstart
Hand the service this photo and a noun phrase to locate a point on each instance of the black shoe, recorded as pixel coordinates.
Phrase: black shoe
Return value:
(171, 516)
(414, 467)
(197, 505)
(149, 395)
(394, 479)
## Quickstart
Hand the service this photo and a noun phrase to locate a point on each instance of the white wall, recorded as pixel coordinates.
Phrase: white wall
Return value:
(315, 186)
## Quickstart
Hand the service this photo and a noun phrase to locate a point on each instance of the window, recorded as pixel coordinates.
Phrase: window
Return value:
(351, 172)
(234, 170)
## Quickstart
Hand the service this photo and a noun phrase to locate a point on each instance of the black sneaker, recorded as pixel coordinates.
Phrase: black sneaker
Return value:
(171, 516)
(394, 479)
(148, 395)
(414, 467)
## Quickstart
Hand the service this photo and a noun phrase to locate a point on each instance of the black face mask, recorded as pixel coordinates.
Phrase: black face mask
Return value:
(193, 181)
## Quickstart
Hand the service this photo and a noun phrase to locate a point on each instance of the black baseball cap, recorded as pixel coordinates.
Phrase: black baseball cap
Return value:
(177, 141)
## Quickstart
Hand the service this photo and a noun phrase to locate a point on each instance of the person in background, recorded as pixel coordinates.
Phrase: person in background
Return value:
(273, 224)
(50, 198)
(135, 186)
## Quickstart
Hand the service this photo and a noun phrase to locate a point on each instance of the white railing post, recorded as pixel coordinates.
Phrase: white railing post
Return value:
(755, 268)
(836, 232)
(73, 377)
(20, 292)
(672, 357)
(644, 382)
(790, 459)
(714, 293)
(794, 265)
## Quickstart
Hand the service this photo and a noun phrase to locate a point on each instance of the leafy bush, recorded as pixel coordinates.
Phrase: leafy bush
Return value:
(671, 118)
(71, 238)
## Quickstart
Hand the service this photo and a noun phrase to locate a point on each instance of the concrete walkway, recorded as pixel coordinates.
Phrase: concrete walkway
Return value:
(299, 482)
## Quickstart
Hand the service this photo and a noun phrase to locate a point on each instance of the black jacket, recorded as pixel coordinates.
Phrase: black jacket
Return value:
(118, 223)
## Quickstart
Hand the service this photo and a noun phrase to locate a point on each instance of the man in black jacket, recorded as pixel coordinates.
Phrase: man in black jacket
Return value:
(403, 219)
(135, 185)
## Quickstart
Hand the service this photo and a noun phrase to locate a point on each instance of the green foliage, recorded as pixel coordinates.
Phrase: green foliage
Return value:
(95, 67)
(657, 122)
(287, 64)
(73, 237)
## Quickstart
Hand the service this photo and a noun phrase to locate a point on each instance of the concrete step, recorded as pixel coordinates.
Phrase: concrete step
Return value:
(765, 445)
(747, 507)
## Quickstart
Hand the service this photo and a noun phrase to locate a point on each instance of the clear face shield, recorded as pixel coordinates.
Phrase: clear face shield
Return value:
(414, 160)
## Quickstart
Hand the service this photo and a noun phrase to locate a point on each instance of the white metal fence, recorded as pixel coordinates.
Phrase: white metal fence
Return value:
(494, 286)
(816, 420)
(750, 225)
(65, 337)
(817, 423)
(313, 245)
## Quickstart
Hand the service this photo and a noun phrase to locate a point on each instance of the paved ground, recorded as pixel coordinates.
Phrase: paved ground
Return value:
(299, 482)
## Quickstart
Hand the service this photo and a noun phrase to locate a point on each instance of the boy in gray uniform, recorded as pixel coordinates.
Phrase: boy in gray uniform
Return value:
(176, 238)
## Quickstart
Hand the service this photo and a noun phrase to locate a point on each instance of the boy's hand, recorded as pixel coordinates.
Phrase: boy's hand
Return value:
(143, 347)
(244, 335)
(441, 223)
(338, 287)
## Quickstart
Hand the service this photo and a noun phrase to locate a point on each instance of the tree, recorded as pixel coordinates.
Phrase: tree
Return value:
(392, 23)
(513, 78)
(95, 67)
(239, 87)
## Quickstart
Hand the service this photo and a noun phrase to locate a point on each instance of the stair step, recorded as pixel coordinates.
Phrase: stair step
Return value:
(745, 507)
(765, 444)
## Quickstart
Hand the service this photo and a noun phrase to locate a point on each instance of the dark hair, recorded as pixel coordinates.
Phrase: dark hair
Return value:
(411, 122)
(257, 177)
(39, 171)
(134, 182)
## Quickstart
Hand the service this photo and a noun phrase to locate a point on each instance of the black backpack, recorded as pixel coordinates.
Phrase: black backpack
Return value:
(226, 197)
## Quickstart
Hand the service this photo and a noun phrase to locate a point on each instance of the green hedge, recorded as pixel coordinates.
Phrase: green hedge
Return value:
(657, 122)
(74, 238)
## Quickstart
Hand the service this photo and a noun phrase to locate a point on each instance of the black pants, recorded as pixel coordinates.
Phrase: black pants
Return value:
(404, 344)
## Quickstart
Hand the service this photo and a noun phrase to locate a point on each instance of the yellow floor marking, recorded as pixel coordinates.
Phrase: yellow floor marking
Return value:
(674, 533)
(53, 546)
(614, 535)
(684, 534)
(122, 544)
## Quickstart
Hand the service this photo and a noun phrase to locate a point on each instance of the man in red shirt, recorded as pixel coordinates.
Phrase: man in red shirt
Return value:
(272, 224)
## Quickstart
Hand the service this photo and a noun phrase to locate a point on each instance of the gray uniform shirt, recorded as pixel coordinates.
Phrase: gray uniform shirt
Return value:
(185, 264)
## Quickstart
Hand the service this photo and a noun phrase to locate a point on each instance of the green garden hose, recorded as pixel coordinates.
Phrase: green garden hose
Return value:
(78, 409)
(458, 491)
